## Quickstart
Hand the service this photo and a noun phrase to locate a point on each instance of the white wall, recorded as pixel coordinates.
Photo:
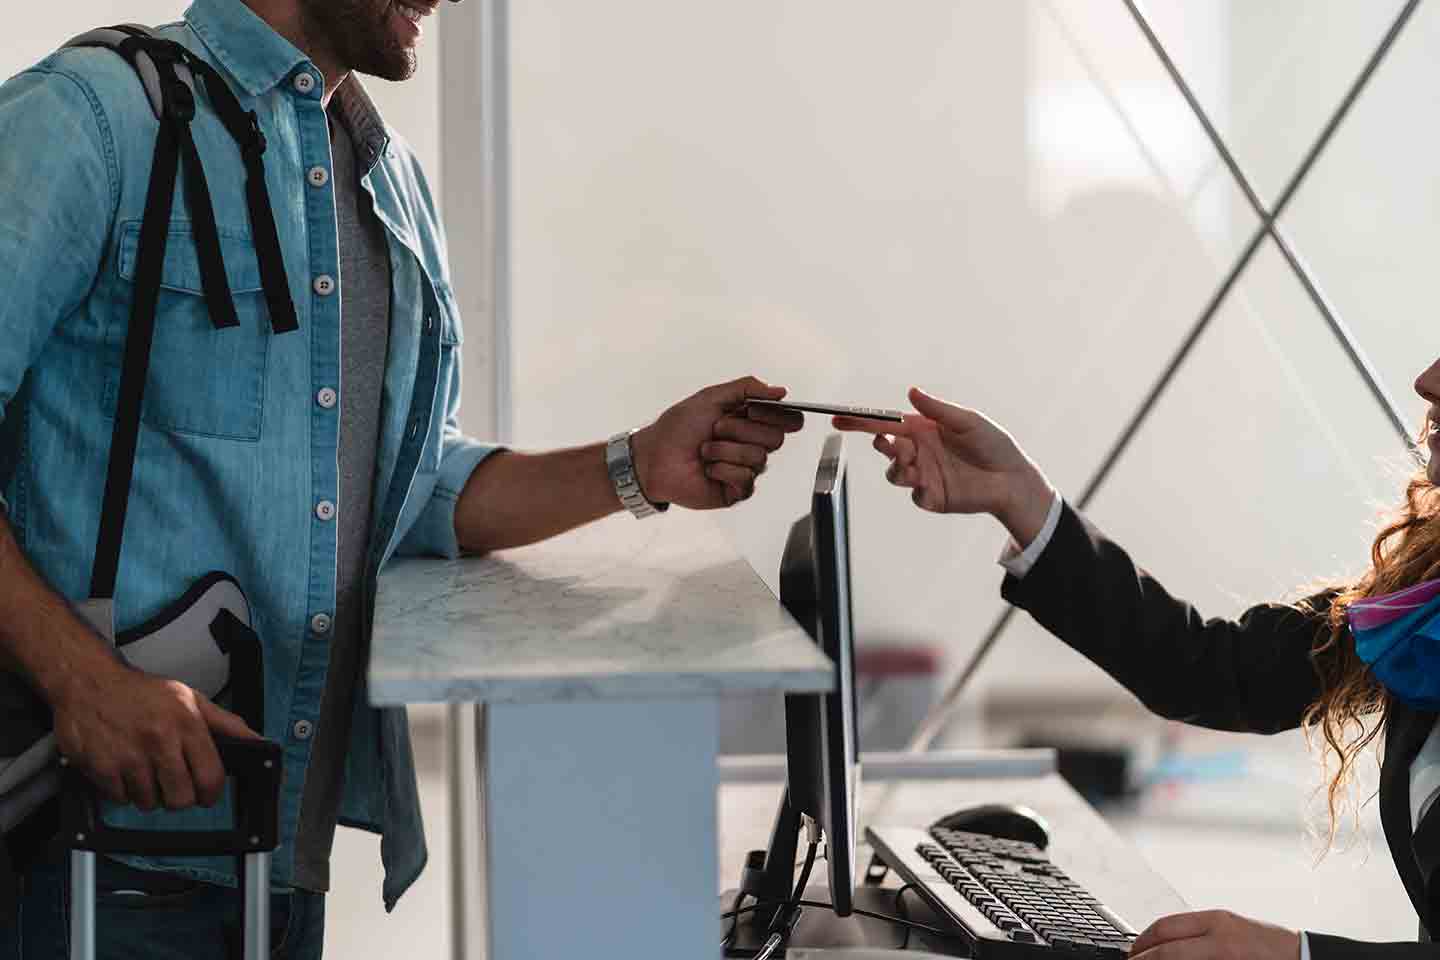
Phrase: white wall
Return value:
(946, 194)
(35, 31)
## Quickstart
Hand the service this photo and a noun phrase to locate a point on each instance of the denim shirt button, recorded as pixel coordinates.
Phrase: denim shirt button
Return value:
(325, 510)
(326, 397)
(318, 176)
(324, 285)
(320, 623)
(303, 729)
(304, 83)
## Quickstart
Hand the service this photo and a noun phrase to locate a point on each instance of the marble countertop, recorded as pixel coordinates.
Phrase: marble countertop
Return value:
(619, 609)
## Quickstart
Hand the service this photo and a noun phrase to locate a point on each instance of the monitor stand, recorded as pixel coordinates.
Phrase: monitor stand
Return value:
(773, 880)
(821, 928)
(770, 878)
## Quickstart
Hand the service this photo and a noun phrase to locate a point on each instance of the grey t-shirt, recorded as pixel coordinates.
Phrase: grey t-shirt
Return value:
(364, 340)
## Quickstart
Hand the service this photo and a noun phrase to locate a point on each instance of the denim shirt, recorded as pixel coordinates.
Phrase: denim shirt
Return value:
(237, 462)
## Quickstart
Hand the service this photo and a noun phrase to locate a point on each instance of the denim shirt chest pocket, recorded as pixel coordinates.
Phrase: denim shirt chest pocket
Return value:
(203, 381)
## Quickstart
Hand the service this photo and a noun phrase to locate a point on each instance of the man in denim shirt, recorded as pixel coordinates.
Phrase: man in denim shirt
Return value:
(298, 462)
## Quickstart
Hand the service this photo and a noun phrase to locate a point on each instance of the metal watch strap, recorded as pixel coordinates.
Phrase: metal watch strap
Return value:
(620, 462)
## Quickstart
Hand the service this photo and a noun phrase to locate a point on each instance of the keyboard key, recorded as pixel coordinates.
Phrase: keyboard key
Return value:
(1023, 936)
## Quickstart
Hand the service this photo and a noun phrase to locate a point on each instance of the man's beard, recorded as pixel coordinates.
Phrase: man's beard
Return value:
(359, 34)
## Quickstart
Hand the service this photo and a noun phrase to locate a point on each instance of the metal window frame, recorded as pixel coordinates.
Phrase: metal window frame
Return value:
(1269, 227)
(475, 203)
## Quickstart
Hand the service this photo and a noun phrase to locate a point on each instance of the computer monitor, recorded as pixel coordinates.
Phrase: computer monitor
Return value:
(821, 738)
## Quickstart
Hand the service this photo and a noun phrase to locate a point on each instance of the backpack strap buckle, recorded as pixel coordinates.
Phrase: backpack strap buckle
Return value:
(255, 143)
(179, 99)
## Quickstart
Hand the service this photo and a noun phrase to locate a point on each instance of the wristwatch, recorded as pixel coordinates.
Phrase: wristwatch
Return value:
(621, 463)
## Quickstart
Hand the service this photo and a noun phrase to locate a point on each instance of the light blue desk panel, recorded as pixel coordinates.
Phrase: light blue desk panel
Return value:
(599, 659)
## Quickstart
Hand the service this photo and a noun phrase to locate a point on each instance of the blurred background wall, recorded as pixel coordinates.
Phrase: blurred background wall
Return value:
(1009, 204)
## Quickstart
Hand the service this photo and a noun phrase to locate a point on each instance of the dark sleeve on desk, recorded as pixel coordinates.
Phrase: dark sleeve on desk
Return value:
(1324, 947)
(1253, 674)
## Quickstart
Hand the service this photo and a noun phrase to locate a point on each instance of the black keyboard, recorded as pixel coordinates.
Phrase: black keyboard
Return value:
(1004, 896)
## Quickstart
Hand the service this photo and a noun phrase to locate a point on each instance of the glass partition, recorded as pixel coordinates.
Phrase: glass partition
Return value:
(1008, 203)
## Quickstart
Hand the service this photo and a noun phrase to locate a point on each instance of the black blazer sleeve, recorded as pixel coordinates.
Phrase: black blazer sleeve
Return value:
(1326, 947)
(1253, 674)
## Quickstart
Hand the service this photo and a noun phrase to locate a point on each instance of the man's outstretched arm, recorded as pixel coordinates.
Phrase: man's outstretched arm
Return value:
(703, 453)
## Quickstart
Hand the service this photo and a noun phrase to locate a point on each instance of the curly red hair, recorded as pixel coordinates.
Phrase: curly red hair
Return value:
(1405, 552)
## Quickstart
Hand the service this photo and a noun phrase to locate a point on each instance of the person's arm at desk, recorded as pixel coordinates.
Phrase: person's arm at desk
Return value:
(1221, 935)
(1253, 674)
(703, 453)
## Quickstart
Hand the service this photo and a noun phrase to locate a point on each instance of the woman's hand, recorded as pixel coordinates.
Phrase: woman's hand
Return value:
(956, 460)
(1215, 935)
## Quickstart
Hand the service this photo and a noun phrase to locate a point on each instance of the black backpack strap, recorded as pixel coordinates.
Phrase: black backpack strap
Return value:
(170, 88)
(110, 38)
(167, 70)
(154, 235)
(157, 61)
(247, 674)
(244, 128)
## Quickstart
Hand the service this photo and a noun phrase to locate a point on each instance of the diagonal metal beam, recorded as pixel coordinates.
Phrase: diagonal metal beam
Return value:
(934, 721)
(1270, 220)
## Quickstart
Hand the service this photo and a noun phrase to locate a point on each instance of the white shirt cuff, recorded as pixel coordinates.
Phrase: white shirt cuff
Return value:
(1018, 562)
(1304, 946)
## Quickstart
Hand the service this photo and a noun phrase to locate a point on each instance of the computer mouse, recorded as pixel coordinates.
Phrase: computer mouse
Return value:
(1008, 821)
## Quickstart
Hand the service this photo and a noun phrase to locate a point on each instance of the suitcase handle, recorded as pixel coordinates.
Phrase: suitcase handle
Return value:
(254, 765)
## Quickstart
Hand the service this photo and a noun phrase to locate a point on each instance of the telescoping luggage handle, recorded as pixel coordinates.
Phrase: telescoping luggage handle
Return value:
(254, 767)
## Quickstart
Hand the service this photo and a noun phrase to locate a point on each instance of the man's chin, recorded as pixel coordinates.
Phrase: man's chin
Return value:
(392, 65)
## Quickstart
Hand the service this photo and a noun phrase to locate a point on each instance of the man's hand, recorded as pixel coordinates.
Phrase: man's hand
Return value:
(706, 451)
(1215, 935)
(956, 460)
(143, 739)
